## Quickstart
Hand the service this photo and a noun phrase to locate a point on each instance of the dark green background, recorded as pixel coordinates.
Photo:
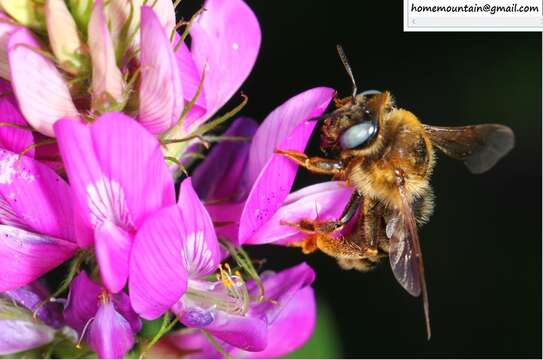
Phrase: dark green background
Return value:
(482, 247)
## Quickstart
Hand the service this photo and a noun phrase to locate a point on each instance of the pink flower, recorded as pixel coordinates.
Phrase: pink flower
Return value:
(289, 330)
(262, 179)
(225, 42)
(106, 321)
(181, 242)
(118, 177)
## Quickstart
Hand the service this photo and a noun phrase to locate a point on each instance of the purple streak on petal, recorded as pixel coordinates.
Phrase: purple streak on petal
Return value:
(110, 335)
(200, 251)
(161, 93)
(323, 201)
(20, 335)
(123, 307)
(131, 156)
(281, 287)
(82, 302)
(113, 245)
(280, 124)
(25, 256)
(290, 330)
(220, 176)
(272, 186)
(190, 80)
(226, 39)
(32, 295)
(158, 277)
(43, 95)
(33, 196)
(11, 138)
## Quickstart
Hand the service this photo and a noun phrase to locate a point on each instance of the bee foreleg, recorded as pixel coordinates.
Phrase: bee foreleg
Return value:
(314, 164)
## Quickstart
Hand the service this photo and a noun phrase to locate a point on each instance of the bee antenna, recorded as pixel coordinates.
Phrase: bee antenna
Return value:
(345, 62)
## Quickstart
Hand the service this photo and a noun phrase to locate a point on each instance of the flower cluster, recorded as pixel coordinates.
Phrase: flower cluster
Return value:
(103, 108)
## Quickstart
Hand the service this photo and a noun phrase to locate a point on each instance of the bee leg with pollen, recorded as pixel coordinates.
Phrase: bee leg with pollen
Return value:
(314, 164)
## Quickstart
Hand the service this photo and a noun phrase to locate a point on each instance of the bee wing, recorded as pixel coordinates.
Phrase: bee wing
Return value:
(405, 256)
(479, 146)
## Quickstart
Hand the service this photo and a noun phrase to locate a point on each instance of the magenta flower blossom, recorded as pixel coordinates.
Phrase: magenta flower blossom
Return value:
(37, 230)
(287, 332)
(20, 331)
(264, 178)
(181, 242)
(118, 177)
(225, 40)
(106, 321)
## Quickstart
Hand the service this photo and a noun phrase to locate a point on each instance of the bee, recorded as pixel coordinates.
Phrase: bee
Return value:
(387, 155)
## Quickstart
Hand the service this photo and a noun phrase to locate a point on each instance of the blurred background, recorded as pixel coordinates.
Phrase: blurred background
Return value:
(482, 246)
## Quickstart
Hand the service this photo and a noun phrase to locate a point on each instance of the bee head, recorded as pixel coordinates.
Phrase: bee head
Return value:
(356, 127)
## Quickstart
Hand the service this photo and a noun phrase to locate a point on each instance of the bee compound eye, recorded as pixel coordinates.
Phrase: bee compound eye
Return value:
(358, 135)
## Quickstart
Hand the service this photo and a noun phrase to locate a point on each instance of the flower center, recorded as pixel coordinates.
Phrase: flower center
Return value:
(203, 298)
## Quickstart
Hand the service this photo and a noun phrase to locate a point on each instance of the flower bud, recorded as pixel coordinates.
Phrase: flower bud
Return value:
(63, 37)
(27, 12)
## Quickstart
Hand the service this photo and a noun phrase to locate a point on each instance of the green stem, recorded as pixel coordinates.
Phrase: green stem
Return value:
(216, 344)
(166, 326)
(74, 269)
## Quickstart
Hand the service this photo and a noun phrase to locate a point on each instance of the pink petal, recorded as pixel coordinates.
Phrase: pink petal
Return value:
(34, 197)
(297, 319)
(77, 150)
(116, 169)
(161, 94)
(158, 277)
(25, 256)
(244, 332)
(220, 176)
(281, 287)
(284, 128)
(226, 218)
(107, 80)
(323, 201)
(7, 26)
(281, 122)
(123, 307)
(82, 302)
(41, 90)
(110, 335)
(200, 249)
(165, 12)
(11, 138)
(190, 79)
(226, 38)
(131, 156)
(113, 245)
